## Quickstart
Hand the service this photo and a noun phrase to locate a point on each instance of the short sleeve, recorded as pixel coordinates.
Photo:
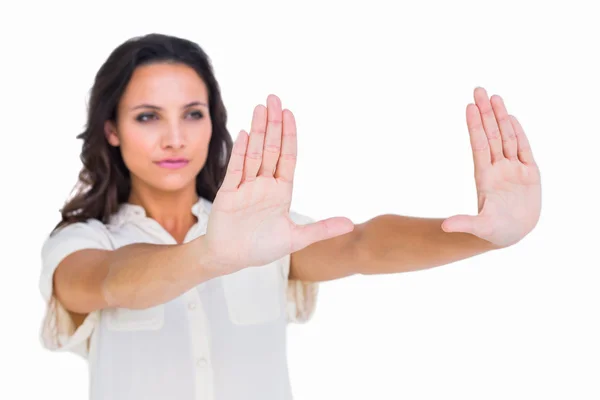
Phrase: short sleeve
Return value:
(58, 330)
(301, 295)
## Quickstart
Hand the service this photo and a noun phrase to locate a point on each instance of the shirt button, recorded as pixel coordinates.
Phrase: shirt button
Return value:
(192, 306)
(201, 362)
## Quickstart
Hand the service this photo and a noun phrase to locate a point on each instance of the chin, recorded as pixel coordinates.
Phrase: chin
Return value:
(172, 182)
(168, 181)
(174, 186)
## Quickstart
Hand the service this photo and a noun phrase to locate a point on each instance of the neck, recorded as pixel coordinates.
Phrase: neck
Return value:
(172, 210)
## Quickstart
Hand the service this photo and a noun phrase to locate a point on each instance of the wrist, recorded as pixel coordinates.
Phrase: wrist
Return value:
(207, 260)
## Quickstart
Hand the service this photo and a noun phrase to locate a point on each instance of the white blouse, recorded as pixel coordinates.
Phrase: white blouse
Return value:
(223, 340)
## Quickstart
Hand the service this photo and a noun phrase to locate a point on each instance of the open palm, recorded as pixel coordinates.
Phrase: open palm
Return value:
(506, 175)
(249, 224)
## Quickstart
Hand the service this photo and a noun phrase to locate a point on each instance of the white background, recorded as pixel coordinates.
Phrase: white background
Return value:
(379, 90)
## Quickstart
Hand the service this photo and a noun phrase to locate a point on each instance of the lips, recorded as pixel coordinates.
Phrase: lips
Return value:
(173, 163)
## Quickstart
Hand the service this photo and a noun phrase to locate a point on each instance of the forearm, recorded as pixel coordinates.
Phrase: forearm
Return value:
(144, 275)
(394, 243)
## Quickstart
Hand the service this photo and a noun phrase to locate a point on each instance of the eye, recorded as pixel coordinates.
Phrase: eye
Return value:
(196, 114)
(145, 117)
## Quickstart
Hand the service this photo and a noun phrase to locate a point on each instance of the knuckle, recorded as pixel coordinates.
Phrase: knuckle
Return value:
(480, 145)
(494, 134)
(272, 148)
(488, 111)
(289, 157)
(509, 138)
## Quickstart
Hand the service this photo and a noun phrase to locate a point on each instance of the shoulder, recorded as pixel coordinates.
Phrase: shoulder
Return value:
(88, 227)
(91, 233)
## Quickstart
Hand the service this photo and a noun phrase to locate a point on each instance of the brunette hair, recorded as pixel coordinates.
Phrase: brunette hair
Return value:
(104, 182)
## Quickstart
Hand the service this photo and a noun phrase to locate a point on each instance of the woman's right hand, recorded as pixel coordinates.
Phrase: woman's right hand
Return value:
(249, 224)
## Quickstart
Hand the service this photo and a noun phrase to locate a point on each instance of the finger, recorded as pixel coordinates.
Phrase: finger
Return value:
(473, 225)
(479, 143)
(305, 235)
(256, 141)
(272, 146)
(523, 148)
(289, 148)
(489, 124)
(509, 140)
(235, 167)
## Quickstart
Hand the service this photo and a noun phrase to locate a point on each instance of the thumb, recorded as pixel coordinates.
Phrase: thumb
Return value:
(460, 223)
(305, 235)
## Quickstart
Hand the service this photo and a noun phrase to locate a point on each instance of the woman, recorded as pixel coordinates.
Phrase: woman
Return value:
(178, 262)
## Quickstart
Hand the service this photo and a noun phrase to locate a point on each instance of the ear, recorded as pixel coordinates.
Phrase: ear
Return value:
(110, 131)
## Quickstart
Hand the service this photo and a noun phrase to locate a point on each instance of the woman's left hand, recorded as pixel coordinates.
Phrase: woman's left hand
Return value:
(506, 176)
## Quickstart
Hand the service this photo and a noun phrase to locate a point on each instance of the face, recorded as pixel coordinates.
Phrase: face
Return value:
(163, 127)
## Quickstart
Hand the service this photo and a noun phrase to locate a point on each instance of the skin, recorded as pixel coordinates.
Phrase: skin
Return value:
(156, 121)
(252, 207)
(163, 114)
(509, 196)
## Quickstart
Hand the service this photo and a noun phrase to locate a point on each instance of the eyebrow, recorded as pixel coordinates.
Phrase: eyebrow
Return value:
(192, 104)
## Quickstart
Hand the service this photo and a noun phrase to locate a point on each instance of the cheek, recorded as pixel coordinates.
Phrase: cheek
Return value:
(137, 147)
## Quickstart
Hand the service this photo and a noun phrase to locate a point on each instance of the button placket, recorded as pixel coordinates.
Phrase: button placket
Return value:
(198, 323)
(201, 362)
(200, 344)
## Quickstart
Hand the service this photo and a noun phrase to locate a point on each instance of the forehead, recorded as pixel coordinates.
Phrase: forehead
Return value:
(165, 83)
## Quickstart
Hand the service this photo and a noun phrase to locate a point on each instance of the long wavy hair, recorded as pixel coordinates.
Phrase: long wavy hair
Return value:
(104, 181)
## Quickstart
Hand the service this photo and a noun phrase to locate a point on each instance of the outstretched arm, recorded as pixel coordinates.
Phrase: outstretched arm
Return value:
(385, 244)
(509, 204)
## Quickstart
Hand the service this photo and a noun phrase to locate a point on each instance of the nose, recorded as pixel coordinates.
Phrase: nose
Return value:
(173, 137)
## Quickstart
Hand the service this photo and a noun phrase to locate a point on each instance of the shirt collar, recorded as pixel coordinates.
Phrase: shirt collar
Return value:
(128, 212)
